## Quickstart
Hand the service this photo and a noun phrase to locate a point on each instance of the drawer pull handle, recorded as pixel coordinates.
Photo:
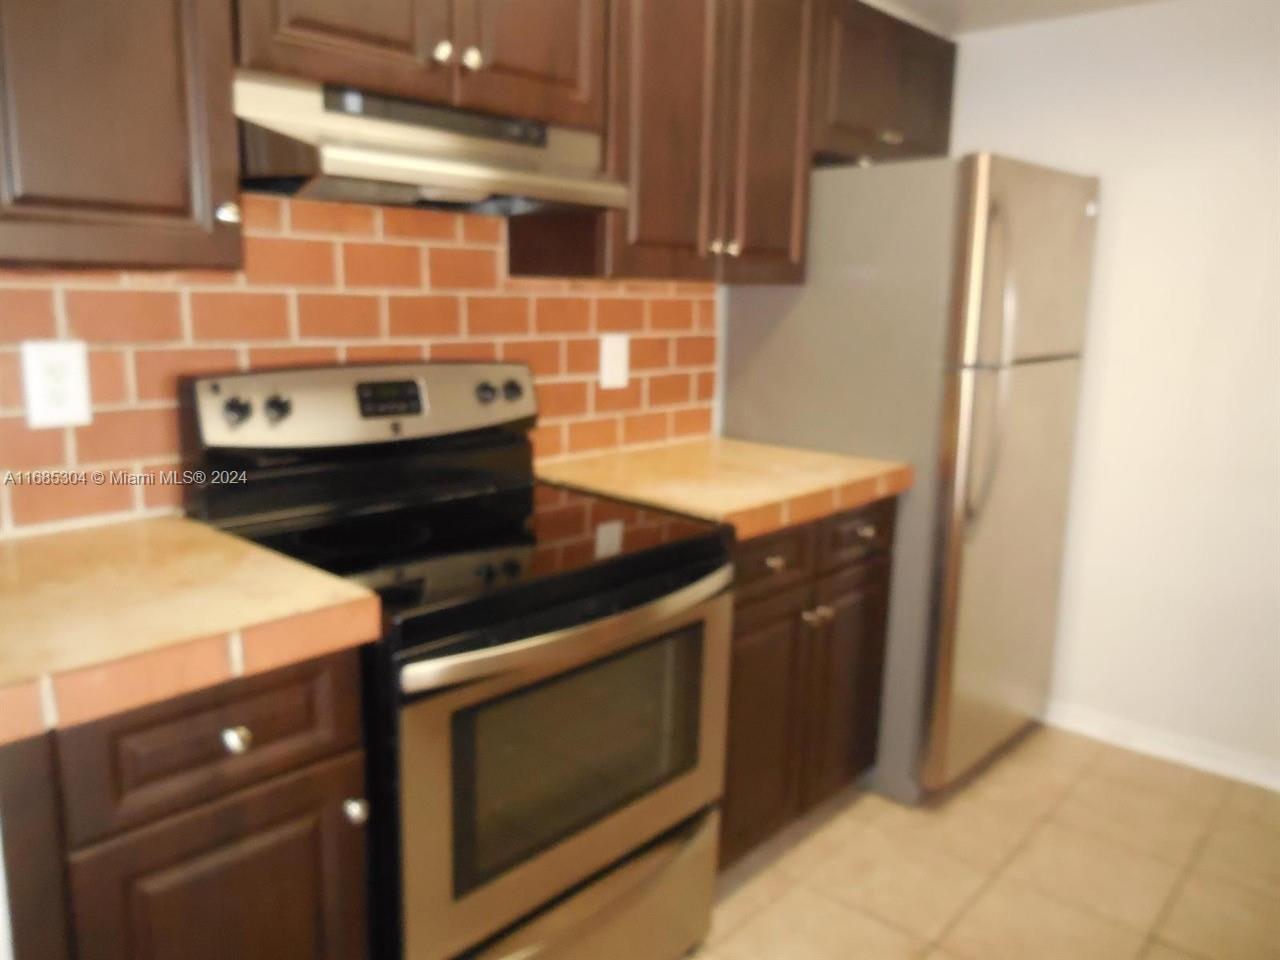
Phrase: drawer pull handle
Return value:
(825, 613)
(777, 563)
(867, 531)
(811, 618)
(442, 52)
(892, 138)
(356, 811)
(472, 59)
(237, 740)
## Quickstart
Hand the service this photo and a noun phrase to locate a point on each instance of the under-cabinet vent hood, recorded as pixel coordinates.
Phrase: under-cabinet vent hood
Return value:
(340, 144)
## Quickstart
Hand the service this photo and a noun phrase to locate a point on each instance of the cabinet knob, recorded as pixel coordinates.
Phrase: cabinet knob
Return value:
(892, 138)
(733, 248)
(717, 247)
(811, 618)
(356, 810)
(825, 613)
(777, 563)
(866, 531)
(472, 58)
(237, 740)
(443, 52)
(228, 212)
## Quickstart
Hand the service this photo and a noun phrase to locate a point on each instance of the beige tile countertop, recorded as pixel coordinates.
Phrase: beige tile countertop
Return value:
(96, 621)
(754, 486)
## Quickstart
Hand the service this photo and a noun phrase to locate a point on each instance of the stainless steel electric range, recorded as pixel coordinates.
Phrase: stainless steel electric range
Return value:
(546, 709)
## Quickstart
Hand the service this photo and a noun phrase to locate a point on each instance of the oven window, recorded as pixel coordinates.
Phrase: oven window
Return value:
(537, 765)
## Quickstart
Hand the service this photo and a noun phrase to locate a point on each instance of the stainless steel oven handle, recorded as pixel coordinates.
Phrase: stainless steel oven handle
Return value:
(568, 644)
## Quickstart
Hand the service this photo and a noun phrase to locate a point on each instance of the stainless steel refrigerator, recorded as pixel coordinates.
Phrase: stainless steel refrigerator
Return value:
(942, 323)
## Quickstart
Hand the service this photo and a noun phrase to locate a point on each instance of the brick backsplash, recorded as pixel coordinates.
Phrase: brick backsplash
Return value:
(337, 283)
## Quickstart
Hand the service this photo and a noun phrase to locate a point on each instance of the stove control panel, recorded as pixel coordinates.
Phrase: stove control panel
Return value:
(345, 406)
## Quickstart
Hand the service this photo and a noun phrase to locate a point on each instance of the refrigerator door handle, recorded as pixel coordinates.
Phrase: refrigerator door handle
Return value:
(974, 505)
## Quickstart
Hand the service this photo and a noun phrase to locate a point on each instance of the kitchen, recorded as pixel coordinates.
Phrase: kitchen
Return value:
(698, 603)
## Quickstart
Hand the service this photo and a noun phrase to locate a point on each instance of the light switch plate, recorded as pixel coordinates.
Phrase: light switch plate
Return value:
(615, 361)
(55, 383)
(609, 539)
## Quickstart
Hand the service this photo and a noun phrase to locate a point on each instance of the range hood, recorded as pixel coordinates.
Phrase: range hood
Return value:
(340, 144)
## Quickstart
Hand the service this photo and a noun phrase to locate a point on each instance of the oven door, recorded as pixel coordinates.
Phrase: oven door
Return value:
(528, 767)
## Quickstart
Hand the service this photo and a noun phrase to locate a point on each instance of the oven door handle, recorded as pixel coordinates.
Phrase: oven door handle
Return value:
(571, 644)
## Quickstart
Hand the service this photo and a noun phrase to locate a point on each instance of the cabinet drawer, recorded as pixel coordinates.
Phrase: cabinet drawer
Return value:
(774, 562)
(140, 765)
(849, 537)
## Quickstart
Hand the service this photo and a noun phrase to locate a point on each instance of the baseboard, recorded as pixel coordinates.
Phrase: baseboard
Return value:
(1190, 751)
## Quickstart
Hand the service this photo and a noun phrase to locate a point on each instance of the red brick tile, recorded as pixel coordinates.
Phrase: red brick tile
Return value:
(695, 289)
(659, 287)
(628, 398)
(333, 315)
(199, 278)
(268, 358)
(463, 269)
(161, 494)
(542, 356)
(563, 315)
(465, 350)
(123, 316)
(756, 521)
(22, 449)
(26, 315)
(279, 260)
(707, 315)
(619, 316)
(645, 428)
(127, 434)
(425, 316)
(562, 399)
(304, 636)
(534, 285)
(706, 388)
(582, 356)
(593, 434)
(489, 316)
(385, 353)
(10, 379)
(686, 423)
(258, 212)
(670, 389)
(671, 314)
(548, 440)
(695, 351)
(157, 371)
(44, 504)
(650, 353)
(239, 316)
(482, 229)
(381, 265)
(108, 379)
(316, 216)
(422, 224)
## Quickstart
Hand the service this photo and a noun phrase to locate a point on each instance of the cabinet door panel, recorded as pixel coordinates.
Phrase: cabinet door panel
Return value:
(117, 140)
(271, 873)
(542, 59)
(378, 45)
(767, 169)
(661, 137)
(762, 767)
(846, 679)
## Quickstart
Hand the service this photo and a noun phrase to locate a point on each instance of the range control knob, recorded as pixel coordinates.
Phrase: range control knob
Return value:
(513, 390)
(236, 410)
(277, 407)
(486, 392)
(487, 572)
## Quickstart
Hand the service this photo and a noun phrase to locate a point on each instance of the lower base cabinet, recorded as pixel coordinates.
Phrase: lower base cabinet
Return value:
(806, 670)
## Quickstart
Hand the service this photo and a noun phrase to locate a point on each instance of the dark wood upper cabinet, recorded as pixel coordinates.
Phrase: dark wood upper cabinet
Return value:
(117, 140)
(882, 88)
(540, 59)
(275, 872)
(766, 170)
(402, 48)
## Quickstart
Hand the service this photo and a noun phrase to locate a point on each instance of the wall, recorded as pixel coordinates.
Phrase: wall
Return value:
(1170, 631)
(328, 283)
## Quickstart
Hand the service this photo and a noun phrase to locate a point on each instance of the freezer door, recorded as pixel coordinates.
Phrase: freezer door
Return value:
(1000, 582)
(1031, 256)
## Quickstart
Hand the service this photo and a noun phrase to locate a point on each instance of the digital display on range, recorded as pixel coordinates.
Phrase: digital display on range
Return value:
(389, 398)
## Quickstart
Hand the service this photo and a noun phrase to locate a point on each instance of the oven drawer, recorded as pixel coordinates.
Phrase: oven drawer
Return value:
(137, 766)
(848, 537)
(774, 562)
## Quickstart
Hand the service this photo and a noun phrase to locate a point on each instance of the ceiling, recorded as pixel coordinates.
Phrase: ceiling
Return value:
(962, 16)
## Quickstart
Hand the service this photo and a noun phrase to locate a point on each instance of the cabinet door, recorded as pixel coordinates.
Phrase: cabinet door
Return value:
(663, 75)
(845, 679)
(117, 140)
(767, 163)
(926, 75)
(763, 750)
(535, 59)
(385, 46)
(276, 872)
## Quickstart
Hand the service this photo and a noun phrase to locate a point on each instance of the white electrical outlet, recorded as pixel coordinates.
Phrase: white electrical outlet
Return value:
(55, 383)
(609, 539)
(615, 361)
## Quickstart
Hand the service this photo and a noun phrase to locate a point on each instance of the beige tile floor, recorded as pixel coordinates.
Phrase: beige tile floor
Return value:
(1065, 849)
